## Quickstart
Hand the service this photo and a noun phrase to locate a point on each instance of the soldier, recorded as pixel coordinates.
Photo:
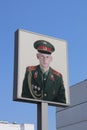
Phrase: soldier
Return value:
(41, 81)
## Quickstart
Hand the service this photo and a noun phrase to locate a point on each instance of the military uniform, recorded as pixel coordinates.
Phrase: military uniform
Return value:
(48, 86)
(50, 89)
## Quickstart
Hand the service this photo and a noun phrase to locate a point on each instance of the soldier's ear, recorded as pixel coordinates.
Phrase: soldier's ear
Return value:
(51, 58)
(37, 55)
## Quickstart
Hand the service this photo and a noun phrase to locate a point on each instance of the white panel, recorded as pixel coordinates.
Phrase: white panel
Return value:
(72, 115)
(27, 127)
(16, 127)
(9, 127)
(79, 126)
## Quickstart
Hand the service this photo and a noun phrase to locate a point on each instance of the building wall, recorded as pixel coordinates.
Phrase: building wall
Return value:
(74, 117)
(7, 126)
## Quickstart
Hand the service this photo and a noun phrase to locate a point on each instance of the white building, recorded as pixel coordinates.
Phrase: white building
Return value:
(6, 126)
(74, 117)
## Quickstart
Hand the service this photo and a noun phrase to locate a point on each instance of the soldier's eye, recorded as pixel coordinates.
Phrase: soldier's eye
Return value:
(42, 57)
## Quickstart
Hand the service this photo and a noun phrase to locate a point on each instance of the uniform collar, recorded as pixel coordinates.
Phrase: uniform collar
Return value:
(42, 71)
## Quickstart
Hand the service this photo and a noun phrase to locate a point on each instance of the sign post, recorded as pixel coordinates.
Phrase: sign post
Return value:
(42, 116)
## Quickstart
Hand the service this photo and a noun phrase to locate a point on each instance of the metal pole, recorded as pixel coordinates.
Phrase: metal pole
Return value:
(42, 116)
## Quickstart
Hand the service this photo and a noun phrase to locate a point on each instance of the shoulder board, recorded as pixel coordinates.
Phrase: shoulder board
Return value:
(30, 68)
(56, 73)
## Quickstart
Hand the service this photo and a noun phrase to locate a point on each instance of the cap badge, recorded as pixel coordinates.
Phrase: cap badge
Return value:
(45, 43)
(44, 48)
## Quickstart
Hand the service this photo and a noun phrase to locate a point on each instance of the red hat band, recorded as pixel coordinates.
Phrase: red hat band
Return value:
(44, 48)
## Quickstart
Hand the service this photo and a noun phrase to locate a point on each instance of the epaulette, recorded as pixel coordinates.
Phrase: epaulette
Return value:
(30, 68)
(56, 73)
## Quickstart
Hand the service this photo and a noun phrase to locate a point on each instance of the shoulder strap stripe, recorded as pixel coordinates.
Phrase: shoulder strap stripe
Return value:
(30, 68)
(56, 73)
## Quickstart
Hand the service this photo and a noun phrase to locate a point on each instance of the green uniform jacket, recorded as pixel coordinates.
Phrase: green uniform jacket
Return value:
(34, 86)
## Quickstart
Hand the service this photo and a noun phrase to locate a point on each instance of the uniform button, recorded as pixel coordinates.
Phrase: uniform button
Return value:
(35, 87)
(35, 92)
(45, 94)
(38, 88)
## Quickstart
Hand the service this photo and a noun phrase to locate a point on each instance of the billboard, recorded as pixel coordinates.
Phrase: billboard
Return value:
(40, 69)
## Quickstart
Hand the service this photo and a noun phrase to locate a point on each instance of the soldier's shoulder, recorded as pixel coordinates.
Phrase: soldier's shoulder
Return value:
(31, 68)
(56, 73)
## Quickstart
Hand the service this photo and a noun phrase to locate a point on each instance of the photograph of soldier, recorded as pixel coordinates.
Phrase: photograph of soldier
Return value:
(41, 81)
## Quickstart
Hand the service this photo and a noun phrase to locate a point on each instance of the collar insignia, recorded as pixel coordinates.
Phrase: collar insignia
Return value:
(52, 77)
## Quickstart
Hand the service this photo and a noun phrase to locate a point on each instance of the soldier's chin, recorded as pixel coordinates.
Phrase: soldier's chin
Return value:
(45, 65)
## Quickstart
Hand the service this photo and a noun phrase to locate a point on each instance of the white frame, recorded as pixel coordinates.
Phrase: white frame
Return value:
(25, 55)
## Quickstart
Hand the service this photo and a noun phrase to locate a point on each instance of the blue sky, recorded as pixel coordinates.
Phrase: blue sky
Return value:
(63, 19)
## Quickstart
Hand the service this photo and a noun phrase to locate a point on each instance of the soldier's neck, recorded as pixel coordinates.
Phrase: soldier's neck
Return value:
(44, 69)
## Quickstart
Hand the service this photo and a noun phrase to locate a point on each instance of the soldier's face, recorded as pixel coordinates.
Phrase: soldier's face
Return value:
(44, 59)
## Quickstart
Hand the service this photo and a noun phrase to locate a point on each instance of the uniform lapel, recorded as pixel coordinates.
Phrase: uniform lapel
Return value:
(38, 76)
(50, 79)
